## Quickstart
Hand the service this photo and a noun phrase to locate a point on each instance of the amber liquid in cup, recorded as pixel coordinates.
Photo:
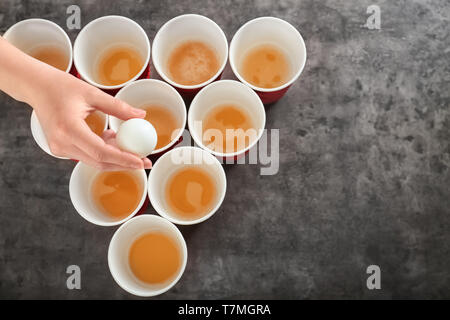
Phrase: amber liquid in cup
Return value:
(191, 192)
(164, 122)
(118, 65)
(51, 55)
(192, 63)
(232, 122)
(116, 194)
(96, 123)
(266, 66)
(154, 258)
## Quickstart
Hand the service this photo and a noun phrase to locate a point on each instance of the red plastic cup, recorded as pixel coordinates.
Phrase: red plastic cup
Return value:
(28, 35)
(269, 30)
(184, 28)
(101, 34)
(80, 185)
(175, 160)
(226, 92)
(151, 91)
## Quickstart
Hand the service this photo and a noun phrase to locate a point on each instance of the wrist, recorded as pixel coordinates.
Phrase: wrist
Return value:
(36, 82)
(21, 76)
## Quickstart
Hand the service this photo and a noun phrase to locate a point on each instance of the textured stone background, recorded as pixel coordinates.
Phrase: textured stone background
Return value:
(364, 167)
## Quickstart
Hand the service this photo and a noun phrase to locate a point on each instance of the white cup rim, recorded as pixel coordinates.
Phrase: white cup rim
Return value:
(53, 24)
(87, 217)
(163, 75)
(224, 154)
(169, 217)
(147, 58)
(149, 292)
(294, 77)
(169, 87)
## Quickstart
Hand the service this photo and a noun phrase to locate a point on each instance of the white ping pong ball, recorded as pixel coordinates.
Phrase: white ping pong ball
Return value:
(137, 136)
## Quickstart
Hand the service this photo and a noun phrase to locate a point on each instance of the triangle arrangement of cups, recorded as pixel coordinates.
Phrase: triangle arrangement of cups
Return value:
(187, 184)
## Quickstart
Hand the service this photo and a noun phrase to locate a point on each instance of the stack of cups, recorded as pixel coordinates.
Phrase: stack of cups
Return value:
(165, 100)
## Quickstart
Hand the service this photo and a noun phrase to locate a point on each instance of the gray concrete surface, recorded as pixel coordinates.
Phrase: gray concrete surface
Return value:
(364, 167)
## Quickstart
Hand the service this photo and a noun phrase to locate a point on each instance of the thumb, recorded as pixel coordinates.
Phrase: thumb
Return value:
(116, 107)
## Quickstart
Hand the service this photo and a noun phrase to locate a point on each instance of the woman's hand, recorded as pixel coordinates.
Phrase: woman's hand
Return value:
(62, 109)
(62, 103)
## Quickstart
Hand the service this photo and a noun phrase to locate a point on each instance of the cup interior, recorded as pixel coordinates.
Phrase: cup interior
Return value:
(268, 30)
(188, 27)
(119, 247)
(105, 118)
(31, 34)
(173, 161)
(102, 34)
(225, 92)
(81, 197)
(142, 93)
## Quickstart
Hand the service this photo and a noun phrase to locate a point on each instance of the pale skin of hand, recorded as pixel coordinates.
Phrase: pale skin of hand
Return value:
(62, 103)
